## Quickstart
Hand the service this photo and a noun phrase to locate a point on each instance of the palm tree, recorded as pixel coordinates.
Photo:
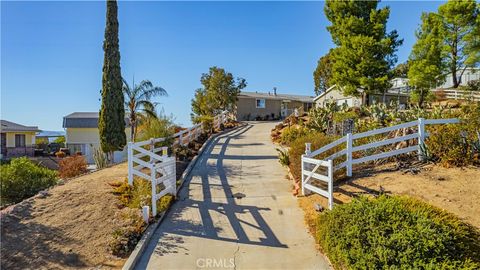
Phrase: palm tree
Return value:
(138, 101)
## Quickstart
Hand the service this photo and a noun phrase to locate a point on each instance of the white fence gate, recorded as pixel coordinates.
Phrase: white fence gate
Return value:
(310, 165)
(152, 163)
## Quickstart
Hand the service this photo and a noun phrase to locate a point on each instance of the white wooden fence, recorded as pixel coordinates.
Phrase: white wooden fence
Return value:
(310, 165)
(459, 94)
(152, 163)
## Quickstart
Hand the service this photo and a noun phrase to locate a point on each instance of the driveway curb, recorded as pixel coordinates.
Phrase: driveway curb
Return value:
(145, 240)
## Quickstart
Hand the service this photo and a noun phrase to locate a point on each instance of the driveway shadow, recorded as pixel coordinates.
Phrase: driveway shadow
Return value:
(228, 215)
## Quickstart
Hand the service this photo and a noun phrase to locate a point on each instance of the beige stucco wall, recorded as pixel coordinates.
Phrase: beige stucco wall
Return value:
(336, 95)
(29, 138)
(87, 135)
(90, 139)
(247, 108)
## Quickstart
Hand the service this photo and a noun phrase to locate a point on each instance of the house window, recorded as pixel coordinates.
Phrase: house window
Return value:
(19, 140)
(76, 147)
(260, 103)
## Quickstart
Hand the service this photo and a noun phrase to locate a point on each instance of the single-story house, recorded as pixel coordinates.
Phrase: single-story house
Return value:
(269, 106)
(334, 93)
(82, 135)
(16, 140)
(470, 74)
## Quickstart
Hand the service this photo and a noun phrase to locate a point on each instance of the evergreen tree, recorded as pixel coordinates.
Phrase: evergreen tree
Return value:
(322, 76)
(111, 123)
(365, 52)
(459, 25)
(448, 41)
(425, 64)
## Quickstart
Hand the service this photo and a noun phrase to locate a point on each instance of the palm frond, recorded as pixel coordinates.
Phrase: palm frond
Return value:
(152, 92)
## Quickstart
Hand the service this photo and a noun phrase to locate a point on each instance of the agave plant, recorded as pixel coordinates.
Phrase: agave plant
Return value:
(283, 157)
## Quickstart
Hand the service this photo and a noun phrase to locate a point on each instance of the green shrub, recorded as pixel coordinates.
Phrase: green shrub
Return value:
(161, 127)
(139, 195)
(339, 117)
(297, 149)
(396, 233)
(206, 120)
(22, 179)
(289, 134)
(457, 144)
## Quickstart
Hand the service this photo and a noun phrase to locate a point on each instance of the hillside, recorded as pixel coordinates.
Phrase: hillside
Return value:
(69, 228)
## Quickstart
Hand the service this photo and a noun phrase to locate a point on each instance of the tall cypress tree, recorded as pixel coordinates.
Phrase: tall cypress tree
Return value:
(112, 113)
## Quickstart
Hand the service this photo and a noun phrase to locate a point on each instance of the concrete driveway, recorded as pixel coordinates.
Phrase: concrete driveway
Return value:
(236, 210)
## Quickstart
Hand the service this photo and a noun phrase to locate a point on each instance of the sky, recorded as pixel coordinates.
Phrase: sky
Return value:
(52, 55)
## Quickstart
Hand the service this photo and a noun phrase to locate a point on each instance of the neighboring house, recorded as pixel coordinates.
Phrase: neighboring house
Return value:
(399, 85)
(17, 140)
(82, 135)
(269, 106)
(470, 74)
(398, 93)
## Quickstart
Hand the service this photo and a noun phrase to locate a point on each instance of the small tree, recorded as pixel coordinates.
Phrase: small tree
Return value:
(111, 123)
(138, 100)
(219, 92)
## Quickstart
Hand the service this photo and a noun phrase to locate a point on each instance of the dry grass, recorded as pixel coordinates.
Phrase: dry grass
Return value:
(70, 228)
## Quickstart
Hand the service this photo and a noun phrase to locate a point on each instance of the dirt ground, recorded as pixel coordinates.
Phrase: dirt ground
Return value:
(70, 228)
(456, 190)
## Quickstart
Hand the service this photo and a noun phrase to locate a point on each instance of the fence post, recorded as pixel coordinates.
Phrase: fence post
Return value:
(154, 189)
(180, 138)
(349, 154)
(330, 184)
(130, 163)
(153, 175)
(303, 177)
(308, 148)
(421, 137)
(174, 178)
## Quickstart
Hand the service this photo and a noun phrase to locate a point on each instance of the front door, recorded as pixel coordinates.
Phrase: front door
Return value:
(3, 145)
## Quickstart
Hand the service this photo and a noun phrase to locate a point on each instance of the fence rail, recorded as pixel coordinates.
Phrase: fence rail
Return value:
(152, 163)
(415, 140)
(459, 94)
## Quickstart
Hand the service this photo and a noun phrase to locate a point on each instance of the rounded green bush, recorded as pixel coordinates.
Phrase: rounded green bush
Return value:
(396, 233)
(22, 179)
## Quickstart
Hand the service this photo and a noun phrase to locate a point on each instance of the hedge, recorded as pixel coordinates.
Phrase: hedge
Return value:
(396, 233)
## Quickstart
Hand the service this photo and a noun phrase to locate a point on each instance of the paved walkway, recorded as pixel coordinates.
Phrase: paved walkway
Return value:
(235, 211)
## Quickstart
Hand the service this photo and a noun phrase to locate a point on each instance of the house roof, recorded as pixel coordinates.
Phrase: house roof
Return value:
(11, 126)
(83, 120)
(301, 98)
